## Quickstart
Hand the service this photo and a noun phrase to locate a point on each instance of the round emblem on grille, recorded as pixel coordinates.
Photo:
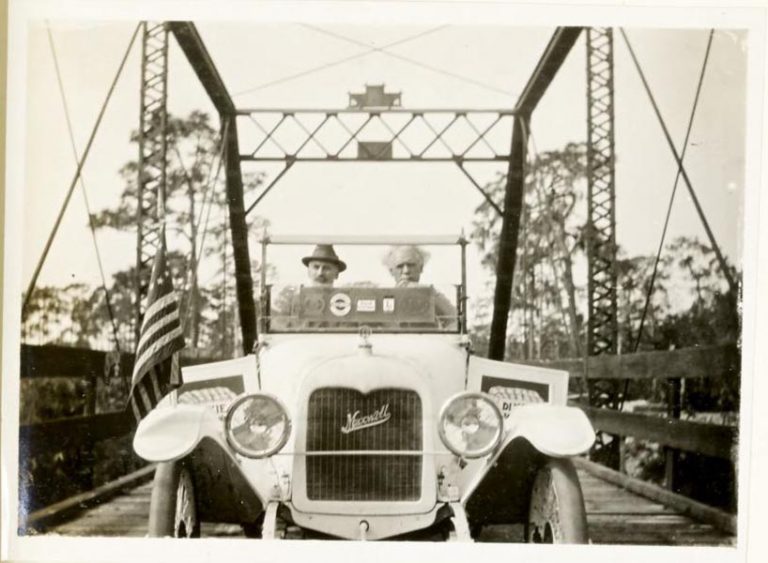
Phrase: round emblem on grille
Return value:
(340, 304)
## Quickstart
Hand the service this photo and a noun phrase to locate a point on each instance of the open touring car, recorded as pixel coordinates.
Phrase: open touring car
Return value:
(363, 414)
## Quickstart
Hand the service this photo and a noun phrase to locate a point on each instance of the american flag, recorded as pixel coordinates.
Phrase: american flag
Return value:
(156, 370)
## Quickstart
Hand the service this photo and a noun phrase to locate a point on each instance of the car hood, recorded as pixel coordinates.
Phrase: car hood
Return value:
(289, 362)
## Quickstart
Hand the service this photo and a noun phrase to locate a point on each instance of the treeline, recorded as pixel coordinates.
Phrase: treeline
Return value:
(198, 238)
(688, 304)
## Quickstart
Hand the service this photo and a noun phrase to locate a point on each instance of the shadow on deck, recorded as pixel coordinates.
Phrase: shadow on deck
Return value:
(614, 515)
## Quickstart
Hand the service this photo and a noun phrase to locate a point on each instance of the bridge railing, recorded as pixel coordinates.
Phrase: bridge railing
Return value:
(61, 458)
(717, 365)
(79, 434)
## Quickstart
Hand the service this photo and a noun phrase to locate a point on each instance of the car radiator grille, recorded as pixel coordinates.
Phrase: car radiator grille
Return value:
(364, 477)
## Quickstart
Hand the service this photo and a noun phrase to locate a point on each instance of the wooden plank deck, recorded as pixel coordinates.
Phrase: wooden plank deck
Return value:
(615, 516)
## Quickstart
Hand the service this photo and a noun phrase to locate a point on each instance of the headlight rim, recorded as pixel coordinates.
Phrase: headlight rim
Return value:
(249, 453)
(471, 395)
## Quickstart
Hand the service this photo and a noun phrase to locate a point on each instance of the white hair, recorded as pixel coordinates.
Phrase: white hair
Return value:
(420, 253)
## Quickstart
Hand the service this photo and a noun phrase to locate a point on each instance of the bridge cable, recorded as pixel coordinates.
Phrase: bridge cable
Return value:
(82, 188)
(78, 171)
(337, 62)
(672, 198)
(209, 190)
(652, 281)
(383, 50)
(188, 271)
(720, 258)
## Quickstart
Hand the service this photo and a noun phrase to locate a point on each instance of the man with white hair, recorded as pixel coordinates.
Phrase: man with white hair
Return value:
(406, 264)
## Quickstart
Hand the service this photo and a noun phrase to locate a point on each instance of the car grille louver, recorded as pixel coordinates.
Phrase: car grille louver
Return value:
(388, 420)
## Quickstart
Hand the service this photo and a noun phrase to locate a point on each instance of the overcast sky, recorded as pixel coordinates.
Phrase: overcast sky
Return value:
(493, 64)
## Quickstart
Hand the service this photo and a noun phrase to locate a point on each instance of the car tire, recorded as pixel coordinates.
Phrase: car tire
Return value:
(173, 508)
(556, 511)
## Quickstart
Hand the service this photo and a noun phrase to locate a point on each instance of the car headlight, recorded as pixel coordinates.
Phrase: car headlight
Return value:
(470, 424)
(257, 425)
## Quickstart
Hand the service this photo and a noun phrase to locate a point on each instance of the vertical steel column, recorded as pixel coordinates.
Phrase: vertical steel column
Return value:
(239, 229)
(152, 156)
(508, 239)
(192, 46)
(602, 327)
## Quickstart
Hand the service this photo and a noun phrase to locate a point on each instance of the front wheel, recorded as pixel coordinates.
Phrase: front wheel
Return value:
(556, 512)
(173, 508)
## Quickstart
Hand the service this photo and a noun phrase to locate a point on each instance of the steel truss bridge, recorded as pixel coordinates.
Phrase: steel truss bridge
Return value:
(620, 509)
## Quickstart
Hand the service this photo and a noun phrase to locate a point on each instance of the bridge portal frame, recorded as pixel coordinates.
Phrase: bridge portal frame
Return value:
(558, 48)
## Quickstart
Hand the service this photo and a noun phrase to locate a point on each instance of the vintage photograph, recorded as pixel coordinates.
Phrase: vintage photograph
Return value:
(429, 281)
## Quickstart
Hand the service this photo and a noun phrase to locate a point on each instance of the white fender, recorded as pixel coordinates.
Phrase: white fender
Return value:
(554, 430)
(166, 434)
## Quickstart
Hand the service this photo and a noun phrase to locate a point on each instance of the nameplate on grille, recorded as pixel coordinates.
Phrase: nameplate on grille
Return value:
(357, 422)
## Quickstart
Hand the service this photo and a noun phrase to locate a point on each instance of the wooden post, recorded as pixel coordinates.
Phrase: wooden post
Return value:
(85, 451)
(671, 456)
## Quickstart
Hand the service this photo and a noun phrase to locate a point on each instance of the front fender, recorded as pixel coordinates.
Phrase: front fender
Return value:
(167, 434)
(193, 433)
(554, 430)
(532, 433)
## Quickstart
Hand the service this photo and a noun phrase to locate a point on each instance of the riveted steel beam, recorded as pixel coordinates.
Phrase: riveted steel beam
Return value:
(379, 135)
(560, 44)
(192, 45)
(239, 230)
(152, 156)
(194, 49)
(508, 240)
(602, 325)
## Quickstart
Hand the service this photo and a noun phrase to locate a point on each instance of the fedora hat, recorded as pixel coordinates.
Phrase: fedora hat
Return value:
(324, 253)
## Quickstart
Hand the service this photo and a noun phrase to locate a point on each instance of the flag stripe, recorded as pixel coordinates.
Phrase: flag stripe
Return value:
(136, 411)
(163, 326)
(156, 368)
(160, 349)
(153, 398)
(155, 387)
(145, 397)
(161, 303)
(152, 315)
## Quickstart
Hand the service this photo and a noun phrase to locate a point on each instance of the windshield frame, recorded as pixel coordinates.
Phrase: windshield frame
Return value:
(358, 240)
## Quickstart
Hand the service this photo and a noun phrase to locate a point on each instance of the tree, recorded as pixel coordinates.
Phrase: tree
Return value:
(62, 316)
(545, 296)
(196, 214)
(192, 145)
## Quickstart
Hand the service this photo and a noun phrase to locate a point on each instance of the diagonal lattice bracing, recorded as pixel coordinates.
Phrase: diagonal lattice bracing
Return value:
(152, 154)
(459, 136)
(397, 134)
(602, 329)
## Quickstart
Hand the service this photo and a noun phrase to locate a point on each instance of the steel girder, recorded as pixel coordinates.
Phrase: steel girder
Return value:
(330, 135)
(602, 327)
(560, 44)
(401, 135)
(152, 156)
(200, 60)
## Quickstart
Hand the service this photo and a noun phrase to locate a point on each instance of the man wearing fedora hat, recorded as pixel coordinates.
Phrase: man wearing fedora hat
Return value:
(323, 266)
